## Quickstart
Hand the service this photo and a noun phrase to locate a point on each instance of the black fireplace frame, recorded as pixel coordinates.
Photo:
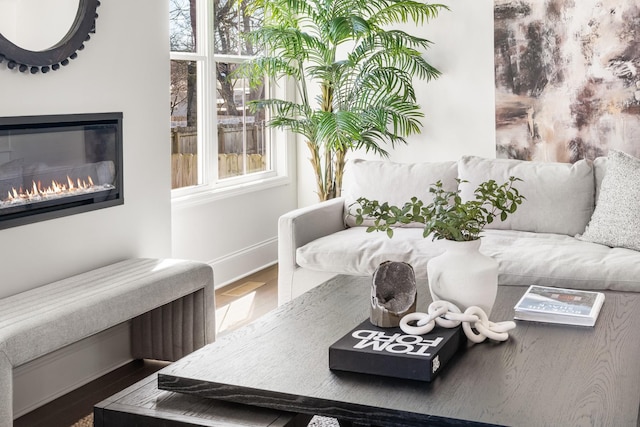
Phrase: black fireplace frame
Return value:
(71, 205)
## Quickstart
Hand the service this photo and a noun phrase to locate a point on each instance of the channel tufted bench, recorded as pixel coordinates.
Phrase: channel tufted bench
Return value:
(170, 303)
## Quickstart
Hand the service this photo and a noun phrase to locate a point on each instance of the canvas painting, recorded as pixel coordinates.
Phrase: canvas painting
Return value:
(567, 77)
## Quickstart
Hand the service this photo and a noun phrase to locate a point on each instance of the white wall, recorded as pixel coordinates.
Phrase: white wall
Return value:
(236, 234)
(124, 67)
(459, 107)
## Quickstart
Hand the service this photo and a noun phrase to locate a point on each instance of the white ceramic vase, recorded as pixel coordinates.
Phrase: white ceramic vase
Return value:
(464, 276)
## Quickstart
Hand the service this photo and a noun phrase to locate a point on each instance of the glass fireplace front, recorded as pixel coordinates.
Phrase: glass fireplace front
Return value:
(53, 166)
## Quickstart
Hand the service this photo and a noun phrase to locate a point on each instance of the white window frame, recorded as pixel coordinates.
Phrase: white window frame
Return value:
(210, 186)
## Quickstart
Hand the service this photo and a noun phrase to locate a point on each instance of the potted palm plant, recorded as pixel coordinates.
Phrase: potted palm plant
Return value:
(360, 68)
(461, 275)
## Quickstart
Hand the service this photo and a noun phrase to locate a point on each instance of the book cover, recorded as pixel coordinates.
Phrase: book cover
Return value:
(557, 305)
(390, 352)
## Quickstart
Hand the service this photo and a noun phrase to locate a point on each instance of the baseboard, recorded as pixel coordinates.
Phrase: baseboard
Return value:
(241, 263)
(56, 374)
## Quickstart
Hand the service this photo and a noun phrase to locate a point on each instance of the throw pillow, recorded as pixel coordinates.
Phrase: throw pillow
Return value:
(395, 183)
(559, 196)
(616, 219)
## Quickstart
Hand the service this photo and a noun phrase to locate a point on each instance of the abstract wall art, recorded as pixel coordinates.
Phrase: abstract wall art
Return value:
(567, 76)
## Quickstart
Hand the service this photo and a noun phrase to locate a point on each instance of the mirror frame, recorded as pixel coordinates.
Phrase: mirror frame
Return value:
(59, 54)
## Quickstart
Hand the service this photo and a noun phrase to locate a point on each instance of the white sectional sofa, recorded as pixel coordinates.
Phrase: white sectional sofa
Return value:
(543, 243)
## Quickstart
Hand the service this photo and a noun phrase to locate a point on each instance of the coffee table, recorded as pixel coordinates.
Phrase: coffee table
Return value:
(545, 374)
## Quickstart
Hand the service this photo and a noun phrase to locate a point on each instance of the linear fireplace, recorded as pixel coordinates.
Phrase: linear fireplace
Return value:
(59, 165)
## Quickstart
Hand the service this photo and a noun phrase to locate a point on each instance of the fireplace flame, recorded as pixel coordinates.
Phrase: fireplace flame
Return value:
(38, 191)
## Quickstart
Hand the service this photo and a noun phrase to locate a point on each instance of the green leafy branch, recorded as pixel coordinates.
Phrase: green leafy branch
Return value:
(447, 216)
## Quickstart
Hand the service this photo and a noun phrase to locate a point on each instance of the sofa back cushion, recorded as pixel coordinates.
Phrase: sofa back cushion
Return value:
(395, 183)
(559, 196)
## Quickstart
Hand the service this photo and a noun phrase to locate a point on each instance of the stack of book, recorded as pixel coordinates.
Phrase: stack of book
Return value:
(369, 349)
(557, 305)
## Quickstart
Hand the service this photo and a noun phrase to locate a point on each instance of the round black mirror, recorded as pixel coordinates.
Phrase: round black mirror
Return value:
(59, 53)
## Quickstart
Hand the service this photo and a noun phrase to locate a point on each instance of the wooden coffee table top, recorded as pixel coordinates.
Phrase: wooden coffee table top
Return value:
(544, 375)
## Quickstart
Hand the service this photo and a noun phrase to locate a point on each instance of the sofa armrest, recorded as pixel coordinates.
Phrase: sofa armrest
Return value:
(299, 227)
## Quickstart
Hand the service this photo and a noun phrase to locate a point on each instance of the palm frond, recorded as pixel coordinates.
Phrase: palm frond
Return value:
(286, 12)
(282, 41)
(272, 67)
(347, 27)
(370, 141)
(388, 47)
(379, 84)
(407, 10)
(281, 107)
(391, 38)
(299, 126)
(401, 118)
(403, 58)
(339, 130)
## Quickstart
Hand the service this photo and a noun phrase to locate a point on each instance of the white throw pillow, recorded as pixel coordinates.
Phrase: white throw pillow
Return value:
(559, 196)
(395, 183)
(616, 218)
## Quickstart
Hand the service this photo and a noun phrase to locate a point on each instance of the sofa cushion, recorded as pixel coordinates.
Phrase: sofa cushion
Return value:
(562, 261)
(354, 251)
(616, 219)
(559, 196)
(392, 182)
(524, 258)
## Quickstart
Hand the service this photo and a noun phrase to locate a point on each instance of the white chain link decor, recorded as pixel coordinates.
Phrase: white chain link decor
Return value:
(448, 315)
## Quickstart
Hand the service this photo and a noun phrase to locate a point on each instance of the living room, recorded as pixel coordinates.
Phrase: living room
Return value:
(125, 68)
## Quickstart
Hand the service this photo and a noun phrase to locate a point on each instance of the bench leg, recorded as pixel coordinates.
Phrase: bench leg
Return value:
(175, 329)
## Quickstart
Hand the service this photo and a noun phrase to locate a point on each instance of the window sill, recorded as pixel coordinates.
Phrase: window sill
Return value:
(205, 194)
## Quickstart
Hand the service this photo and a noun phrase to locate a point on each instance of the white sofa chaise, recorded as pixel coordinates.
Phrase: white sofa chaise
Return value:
(543, 243)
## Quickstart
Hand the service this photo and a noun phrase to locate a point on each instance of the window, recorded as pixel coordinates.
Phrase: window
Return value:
(216, 140)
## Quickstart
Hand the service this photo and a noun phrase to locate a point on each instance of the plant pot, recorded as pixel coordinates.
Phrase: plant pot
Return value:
(464, 276)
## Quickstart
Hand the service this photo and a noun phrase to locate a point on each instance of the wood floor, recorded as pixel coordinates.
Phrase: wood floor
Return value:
(236, 305)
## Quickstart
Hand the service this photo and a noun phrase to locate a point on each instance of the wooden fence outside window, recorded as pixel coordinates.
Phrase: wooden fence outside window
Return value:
(184, 157)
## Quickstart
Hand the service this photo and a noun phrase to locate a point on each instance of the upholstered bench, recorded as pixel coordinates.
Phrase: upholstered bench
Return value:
(170, 303)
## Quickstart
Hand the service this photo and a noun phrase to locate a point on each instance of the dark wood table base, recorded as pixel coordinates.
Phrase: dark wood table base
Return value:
(143, 405)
